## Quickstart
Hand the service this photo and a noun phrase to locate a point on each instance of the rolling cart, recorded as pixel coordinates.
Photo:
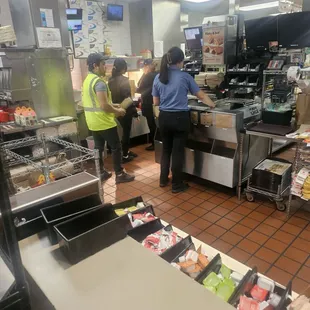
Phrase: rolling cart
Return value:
(283, 191)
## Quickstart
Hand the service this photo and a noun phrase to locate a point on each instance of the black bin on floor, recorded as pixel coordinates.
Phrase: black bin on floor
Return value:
(86, 234)
(64, 211)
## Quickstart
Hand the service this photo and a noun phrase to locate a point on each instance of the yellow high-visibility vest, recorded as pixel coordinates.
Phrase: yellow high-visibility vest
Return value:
(96, 118)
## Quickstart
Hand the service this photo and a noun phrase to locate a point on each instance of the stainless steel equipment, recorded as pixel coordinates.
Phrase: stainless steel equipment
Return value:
(38, 78)
(213, 147)
(27, 18)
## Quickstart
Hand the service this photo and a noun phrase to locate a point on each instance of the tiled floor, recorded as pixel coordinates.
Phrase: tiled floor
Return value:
(253, 233)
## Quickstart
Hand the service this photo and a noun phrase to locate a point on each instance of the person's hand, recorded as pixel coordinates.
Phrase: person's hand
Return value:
(211, 104)
(120, 112)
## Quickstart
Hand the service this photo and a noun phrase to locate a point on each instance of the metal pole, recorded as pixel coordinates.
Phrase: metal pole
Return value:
(97, 164)
(294, 168)
(240, 165)
(46, 173)
(11, 238)
(45, 149)
(263, 91)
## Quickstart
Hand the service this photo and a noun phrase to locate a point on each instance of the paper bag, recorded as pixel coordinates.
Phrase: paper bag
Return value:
(126, 103)
(303, 109)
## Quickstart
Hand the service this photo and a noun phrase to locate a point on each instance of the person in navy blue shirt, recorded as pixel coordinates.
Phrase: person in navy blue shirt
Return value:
(170, 90)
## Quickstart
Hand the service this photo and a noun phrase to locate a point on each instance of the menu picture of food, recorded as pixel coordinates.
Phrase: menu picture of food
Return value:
(213, 45)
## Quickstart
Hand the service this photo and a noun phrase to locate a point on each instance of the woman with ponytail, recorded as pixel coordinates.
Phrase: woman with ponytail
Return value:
(120, 90)
(170, 90)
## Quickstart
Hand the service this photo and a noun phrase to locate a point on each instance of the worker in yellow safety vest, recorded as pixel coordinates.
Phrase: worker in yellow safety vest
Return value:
(100, 116)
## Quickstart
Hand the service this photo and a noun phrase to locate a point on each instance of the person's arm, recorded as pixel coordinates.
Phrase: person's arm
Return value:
(205, 98)
(106, 107)
(156, 101)
(196, 91)
(155, 93)
(101, 92)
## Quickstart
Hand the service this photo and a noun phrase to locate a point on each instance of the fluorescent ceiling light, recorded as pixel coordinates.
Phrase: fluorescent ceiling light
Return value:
(260, 6)
(197, 1)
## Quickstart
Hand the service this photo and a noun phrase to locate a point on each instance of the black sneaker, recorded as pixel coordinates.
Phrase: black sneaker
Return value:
(180, 188)
(164, 184)
(150, 148)
(106, 175)
(124, 178)
(127, 159)
(132, 154)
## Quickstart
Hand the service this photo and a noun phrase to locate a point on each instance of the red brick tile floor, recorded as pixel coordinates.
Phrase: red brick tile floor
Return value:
(255, 234)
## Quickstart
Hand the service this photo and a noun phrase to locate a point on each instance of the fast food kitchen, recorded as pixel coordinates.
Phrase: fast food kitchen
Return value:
(226, 242)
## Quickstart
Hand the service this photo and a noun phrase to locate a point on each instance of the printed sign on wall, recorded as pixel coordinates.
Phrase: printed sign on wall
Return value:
(213, 45)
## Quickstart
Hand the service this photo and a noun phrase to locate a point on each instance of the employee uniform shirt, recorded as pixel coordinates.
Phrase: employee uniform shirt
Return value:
(173, 96)
(120, 90)
(100, 86)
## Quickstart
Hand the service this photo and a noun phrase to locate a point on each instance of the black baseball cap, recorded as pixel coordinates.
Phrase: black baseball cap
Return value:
(96, 58)
(148, 62)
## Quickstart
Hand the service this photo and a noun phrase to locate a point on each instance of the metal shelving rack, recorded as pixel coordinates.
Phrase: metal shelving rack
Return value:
(65, 147)
(17, 297)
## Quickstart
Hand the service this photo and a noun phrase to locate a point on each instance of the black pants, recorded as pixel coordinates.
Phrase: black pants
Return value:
(126, 123)
(174, 128)
(111, 137)
(147, 112)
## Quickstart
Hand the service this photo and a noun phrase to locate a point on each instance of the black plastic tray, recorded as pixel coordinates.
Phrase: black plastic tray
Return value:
(128, 203)
(248, 284)
(90, 232)
(34, 220)
(64, 211)
(178, 250)
(172, 255)
(215, 266)
(141, 232)
(147, 209)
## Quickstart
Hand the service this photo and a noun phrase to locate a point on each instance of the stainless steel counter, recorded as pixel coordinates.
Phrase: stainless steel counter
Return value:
(49, 191)
(213, 147)
(123, 276)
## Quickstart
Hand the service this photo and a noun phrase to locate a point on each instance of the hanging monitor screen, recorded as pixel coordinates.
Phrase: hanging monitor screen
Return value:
(260, 32)
(74, 17)
(294, 30)
(193, 38)
(115, 12)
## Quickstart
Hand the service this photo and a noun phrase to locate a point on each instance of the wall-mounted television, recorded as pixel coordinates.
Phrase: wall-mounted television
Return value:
(115, 12)
(259, 32)
(74, 17)
(294, 30)
(193, 37)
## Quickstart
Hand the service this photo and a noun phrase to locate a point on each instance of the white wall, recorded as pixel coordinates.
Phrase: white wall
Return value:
(98, 31)
(167, 23)
(5, 14)
(141, 26)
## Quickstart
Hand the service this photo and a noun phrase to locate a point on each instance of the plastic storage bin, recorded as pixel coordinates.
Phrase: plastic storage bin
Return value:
(248, 284)
(141, 232)
(277, 118)
(215, 266)
(270, 181)
(90, 232)
(64, 211)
